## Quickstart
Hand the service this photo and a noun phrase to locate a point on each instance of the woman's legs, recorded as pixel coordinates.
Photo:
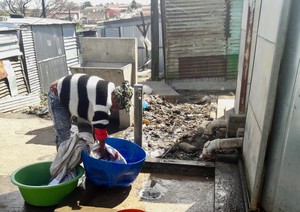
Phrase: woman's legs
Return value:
(61, 118)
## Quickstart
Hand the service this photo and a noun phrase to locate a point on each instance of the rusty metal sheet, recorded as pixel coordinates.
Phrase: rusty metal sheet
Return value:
(202, 66)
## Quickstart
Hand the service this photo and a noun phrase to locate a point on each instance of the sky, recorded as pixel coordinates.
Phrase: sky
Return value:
(96, 2)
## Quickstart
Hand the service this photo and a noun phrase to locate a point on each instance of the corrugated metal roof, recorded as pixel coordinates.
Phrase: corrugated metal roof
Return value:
(8, 26)
(126, 20)
(36, 21)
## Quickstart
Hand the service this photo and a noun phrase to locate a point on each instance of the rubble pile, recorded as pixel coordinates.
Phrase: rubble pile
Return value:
(176, 131)
(40, 110)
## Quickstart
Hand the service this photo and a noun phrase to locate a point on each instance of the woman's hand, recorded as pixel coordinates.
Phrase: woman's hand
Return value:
(104, 153)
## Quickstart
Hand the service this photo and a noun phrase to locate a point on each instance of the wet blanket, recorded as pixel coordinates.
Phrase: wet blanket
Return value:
(69, 156)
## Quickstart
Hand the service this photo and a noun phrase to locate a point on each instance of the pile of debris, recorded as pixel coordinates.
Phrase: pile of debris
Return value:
(40, 110)
(177, 131)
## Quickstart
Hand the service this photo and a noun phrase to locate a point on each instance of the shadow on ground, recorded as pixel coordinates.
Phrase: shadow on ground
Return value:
(42, 136)
(88, 194)
(13, 201)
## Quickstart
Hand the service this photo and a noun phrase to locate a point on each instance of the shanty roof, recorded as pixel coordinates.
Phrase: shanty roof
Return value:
(36, 21)
(8, 26)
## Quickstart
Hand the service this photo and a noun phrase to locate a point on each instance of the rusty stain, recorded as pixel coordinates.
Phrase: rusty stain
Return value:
(246, 60)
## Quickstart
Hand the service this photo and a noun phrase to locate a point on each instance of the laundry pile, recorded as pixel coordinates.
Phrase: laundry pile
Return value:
(68, 156)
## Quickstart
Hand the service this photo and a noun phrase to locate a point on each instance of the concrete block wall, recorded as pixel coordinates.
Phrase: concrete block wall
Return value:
(111, 50)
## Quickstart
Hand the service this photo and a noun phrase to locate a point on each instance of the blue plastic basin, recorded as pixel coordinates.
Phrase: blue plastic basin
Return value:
(110, 174)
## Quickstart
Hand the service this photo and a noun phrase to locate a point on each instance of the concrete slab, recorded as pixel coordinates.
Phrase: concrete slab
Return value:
(163, 90)
(169, 185)
(160, 88)
(149, 192)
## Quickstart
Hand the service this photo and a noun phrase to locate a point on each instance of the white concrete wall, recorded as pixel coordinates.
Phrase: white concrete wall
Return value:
(111, 50)
(281, 188)
(269, 28)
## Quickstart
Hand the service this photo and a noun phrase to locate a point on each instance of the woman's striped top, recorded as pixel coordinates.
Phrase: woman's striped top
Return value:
(87, 97)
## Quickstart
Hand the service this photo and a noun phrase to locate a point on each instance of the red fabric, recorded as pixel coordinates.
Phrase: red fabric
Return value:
(100, 134)
(53, 88)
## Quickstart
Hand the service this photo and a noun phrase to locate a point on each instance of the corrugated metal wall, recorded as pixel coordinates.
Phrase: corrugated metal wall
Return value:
(20, 79)
(202, 38)
(50, 54)
(10, 50)
(29, 59)
(70, 44)
(234, 17)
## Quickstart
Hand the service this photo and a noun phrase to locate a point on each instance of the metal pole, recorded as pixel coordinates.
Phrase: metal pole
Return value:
(138, 113)
(43, 9)
(154, 41)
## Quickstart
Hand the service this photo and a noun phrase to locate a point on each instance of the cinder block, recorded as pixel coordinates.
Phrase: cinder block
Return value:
(235, 121)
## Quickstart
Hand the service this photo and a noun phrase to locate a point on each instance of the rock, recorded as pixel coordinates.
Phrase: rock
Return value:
(187, 147)
(157, 153)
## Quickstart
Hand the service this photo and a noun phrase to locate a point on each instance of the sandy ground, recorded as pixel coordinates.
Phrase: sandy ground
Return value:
(24, 140)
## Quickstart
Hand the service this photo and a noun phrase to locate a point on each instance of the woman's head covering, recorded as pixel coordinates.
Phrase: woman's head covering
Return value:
(123, 95)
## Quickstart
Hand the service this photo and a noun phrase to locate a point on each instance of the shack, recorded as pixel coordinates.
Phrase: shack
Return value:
(49, 48)
(37, 51)
(15, 92)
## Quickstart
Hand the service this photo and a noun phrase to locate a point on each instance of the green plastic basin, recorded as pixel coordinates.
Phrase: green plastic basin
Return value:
(32, 181)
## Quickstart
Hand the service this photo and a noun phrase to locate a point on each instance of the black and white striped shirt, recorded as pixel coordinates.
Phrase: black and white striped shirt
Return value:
(87, 97)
